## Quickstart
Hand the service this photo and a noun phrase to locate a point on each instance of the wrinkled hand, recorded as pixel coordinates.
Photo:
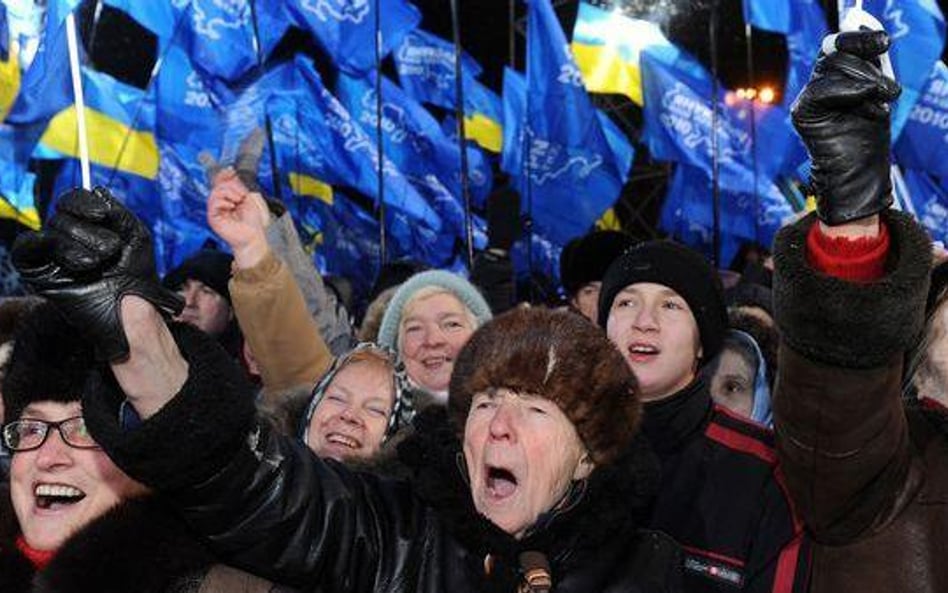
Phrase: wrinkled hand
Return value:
(843, 115)
(93, 252)
(238, 216)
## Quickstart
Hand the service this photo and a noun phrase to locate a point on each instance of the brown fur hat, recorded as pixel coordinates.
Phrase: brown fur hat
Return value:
(560, 356)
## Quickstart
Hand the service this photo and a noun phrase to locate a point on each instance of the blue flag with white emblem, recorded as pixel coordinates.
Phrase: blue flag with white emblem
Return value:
(425, 65)
(346, 28)
(566, 170)
(415, 143)
(930, 202)
(917, 32)
(924, 140)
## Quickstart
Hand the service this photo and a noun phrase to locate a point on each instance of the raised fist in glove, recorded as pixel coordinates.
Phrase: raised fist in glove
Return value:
(93, 252)
(842, 115)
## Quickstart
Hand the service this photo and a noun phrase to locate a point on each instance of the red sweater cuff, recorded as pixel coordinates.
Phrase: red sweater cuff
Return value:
(859, 260)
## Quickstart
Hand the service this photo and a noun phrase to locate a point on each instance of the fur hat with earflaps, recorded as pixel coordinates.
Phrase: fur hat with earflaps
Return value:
(50, 362)
(562, 357)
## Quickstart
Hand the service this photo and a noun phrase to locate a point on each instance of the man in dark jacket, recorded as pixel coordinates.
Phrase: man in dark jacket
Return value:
(869, 478)
(721, 494)
(542, 489)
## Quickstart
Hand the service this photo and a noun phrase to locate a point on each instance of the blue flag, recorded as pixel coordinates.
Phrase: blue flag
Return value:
(566, 169)
(218, 36)
(44, 85)
(930, 202)
(425, 65)
(769, 15)
(415, 143)
(924, 140)
(917, 31)
(678, 118)
(688, 213)
(346, 28)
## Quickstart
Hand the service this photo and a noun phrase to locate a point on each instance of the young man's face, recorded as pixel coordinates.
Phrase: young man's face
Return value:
(204, 308)
(656, 332)
(57, 489)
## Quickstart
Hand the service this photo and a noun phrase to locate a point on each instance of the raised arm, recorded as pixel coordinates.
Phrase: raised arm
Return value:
(850, 288)
(270, 308)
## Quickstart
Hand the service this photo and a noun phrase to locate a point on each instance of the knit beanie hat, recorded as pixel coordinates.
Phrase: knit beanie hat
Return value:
(50, 362)
(585, 259)
(210, 266)
(683, 270)
(557, 355)
(465, 292)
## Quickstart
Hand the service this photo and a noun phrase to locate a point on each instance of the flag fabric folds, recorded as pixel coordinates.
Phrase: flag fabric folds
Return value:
(346, 28)
(924, 140)
(554, 144)
(917, 32)
(607, 46)
(769, 15)
(425, 65)
(120, 124)
(929, 198)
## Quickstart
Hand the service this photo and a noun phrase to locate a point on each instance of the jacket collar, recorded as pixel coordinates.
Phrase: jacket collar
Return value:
(672, 422)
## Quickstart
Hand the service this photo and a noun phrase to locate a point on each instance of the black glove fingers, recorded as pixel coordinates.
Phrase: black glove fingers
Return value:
(83, 245)
(31, 250)
(866, 44)
(84, 204)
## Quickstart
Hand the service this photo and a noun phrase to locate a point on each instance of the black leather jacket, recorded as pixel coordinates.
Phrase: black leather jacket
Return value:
(269, 506)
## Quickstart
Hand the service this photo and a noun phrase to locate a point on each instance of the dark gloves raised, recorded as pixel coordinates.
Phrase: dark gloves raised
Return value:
(843, 115)
(93, 252)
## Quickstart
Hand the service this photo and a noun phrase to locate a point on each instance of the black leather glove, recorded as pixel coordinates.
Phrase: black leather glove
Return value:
(503, 219)
(93, 252)
(843, 115)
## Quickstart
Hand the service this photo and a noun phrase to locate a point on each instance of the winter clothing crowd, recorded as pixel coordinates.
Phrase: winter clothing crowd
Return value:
(229, 429)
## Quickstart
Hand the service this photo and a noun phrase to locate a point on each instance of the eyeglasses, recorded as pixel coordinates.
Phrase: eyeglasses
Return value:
(27, 434)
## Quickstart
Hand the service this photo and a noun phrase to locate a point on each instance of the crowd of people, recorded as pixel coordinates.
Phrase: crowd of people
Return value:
(230, 428)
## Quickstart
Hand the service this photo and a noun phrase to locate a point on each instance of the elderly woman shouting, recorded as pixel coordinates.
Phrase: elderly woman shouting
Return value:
(524, 494)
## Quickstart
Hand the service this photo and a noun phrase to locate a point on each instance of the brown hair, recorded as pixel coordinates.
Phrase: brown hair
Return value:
(562, 357)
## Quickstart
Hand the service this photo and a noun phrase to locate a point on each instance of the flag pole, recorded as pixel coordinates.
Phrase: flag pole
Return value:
(379, 145)
(715, 181)
(752, 76)
(72, 42)
(267, 126)
(512, 34)
(462, 139)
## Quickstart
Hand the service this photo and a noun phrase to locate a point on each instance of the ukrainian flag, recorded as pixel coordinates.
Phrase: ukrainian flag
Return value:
(483, 116)
(9, 79)
(120, 123)
(606, 47)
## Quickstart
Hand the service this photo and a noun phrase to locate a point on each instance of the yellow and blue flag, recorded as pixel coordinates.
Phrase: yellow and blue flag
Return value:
(555, 148)
(346, 28)
(44, 84)
(120, 122)
(607, 46)
(16, 181)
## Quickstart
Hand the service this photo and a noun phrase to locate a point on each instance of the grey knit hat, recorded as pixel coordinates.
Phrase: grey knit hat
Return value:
(465, 292)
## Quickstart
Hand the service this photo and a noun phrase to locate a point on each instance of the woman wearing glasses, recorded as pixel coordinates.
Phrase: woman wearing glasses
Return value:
(68, 505)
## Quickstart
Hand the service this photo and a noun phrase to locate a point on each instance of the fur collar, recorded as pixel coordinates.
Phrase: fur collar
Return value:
(16, 572)
(613, 500)
(137, 546)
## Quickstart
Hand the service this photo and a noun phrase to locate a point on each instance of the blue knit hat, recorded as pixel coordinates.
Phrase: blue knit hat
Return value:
(465, 292)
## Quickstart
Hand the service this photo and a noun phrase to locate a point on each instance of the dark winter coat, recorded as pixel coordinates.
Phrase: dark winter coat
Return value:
(269, 505)
(136, 547)
(869, 479)
(722, 497)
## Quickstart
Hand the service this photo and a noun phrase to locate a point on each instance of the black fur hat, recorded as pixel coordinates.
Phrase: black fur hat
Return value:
(50, 362)
(585, 259)
(562, 357)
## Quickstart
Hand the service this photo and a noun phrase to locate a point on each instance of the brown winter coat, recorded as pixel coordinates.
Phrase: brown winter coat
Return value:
(869, 478)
